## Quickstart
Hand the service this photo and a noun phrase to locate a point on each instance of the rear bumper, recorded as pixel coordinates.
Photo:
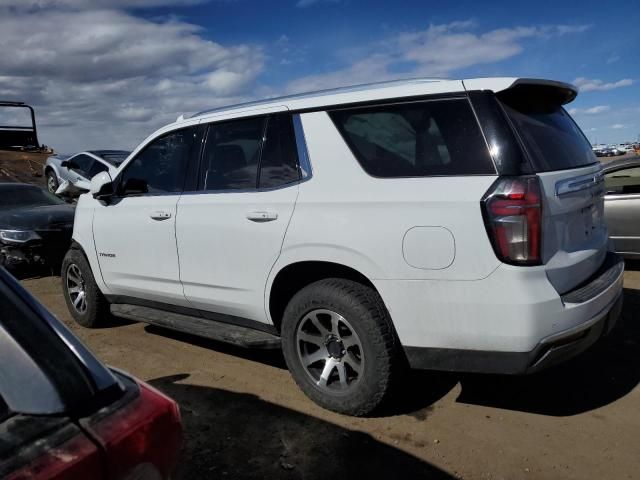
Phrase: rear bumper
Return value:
(605, 284)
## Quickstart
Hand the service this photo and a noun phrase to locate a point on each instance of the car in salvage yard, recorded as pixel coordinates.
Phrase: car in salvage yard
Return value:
(35, 226)
(64, 415)
(445, 224)
(70, 175)
(622, 205)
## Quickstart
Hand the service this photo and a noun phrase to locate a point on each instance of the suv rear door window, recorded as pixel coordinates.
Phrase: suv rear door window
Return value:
(231, 155)
(437, 137)
(550, 136)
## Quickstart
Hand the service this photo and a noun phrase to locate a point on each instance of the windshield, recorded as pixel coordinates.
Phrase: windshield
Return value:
(15, 196)
(115, 159)
(549, 134)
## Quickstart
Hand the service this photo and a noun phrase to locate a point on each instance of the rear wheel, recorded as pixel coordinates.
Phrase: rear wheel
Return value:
(340, 346)
(85, 301)
(52, 181)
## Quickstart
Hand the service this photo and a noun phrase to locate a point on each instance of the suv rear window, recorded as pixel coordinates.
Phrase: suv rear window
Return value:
(417, 139)
(550, 136)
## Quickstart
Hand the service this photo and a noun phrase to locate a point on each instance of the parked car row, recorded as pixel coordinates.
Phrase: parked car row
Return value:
(615, 150)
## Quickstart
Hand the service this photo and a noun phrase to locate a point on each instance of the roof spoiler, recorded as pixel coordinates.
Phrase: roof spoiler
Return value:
(559, 93)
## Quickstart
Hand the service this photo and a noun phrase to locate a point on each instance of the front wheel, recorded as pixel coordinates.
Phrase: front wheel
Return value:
(52, 182)
(340, 346)
(85, 301)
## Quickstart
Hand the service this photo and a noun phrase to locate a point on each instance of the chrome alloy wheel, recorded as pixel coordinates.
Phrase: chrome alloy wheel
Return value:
(51, 184)
(329, 350)
(76, 288)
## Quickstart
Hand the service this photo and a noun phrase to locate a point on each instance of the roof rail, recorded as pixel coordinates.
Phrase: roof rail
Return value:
(317, 93)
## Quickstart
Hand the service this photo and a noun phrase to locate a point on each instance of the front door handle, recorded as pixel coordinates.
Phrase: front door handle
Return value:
(160, 215)
(262, 216)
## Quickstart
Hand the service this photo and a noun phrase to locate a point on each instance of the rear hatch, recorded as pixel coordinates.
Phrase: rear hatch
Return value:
(574, 235)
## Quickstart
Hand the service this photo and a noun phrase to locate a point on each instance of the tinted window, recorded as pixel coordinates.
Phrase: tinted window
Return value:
(84, 163)
(624, 181)
(115, 159)
(21, 196)
(279, 162)
(231, 155)
(416, 139)
(550, 136)
(163, 163)
(96, 168)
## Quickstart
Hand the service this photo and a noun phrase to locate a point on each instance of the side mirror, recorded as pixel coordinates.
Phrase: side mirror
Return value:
(64, 163)
(134, 186)
(101, 186)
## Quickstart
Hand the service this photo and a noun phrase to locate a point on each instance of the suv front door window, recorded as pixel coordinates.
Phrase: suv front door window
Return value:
(135, 232)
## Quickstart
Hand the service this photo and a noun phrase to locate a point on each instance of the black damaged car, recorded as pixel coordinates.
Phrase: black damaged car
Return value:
(35, 226)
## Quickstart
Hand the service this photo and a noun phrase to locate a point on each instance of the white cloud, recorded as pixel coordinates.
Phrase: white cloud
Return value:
(587, 85)
(437, 51)
(590, 111)
(114, 83)
(618, 126)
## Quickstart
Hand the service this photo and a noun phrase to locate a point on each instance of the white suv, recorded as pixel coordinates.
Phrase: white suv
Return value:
(450, 225)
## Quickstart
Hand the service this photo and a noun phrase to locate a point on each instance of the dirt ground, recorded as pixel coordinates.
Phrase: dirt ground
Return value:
(22, 167)
(245, 418)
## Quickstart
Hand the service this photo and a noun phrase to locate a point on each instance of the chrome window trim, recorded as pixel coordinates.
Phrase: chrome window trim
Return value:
(582, 182)
(301, 144)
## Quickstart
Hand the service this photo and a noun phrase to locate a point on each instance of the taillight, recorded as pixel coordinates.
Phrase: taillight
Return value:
(513, 216)
(143, 436)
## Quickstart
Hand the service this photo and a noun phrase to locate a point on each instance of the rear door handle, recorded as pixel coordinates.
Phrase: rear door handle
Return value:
(262, 216)
(160, 215)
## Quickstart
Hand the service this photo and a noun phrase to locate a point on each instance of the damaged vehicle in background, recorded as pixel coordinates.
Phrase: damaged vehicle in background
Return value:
(35, 226)
(71, 175)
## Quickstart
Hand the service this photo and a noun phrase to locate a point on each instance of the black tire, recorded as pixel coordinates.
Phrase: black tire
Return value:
(380, 353)
(96, 314)
(52, 181)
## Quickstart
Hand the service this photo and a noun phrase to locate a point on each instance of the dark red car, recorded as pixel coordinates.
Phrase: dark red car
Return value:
(64, 415)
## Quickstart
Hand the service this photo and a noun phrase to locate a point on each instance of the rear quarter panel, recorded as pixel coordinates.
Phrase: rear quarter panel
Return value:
(346, 216)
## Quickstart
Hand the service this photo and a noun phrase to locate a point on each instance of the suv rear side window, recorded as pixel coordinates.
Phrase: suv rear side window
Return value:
(550, 136)
(430, 138)
(279, 162)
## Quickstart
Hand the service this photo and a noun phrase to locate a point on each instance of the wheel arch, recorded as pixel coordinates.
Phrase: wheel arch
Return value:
(293, 277)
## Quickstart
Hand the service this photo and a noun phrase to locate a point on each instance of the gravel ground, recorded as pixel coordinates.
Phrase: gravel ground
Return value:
(245, 418)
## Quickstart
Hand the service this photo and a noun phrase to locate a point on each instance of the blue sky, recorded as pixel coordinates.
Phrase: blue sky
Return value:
(106, 73)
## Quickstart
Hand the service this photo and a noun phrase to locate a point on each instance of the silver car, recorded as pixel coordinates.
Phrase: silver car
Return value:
(71, 175)
(622, 205)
